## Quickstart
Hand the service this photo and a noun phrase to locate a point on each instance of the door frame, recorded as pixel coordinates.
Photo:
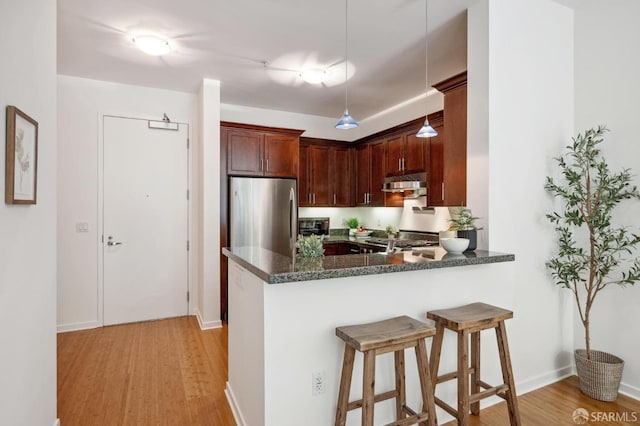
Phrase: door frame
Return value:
(193, 296)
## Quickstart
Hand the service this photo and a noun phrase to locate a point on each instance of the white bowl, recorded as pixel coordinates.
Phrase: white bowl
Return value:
(454, 245)
(363, 234)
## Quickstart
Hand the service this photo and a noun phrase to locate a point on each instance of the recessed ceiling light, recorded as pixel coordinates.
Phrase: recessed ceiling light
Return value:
(152, 45)
(314, 75)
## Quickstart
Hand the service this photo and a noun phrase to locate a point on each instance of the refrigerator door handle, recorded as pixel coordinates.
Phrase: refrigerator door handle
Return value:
(292, 195)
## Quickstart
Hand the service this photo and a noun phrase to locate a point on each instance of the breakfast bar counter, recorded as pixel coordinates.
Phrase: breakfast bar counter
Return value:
(274, 268)
(283, 315)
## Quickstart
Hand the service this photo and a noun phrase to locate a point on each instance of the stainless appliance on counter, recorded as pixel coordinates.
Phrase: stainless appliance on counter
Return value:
(313, 225)
(263, 212)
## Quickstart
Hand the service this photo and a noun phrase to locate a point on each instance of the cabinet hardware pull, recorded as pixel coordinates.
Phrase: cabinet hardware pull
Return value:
(267, 164)
(442, 191)
(314, 198)
(400, 164)
(261, 165)
(404, 167)
(334, 199)
(308, 197)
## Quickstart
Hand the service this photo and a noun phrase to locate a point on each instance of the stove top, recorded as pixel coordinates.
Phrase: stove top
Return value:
(403, 243)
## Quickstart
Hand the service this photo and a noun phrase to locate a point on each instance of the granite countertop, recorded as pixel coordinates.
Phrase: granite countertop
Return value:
(275, 268)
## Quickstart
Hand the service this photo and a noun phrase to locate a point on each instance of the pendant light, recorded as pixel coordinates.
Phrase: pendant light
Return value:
(346, 121)
(426, 131)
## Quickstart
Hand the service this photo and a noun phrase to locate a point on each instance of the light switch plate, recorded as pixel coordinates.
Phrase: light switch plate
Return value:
(82, 227)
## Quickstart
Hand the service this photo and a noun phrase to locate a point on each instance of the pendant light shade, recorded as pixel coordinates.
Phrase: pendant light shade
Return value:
(426, 131)
(346, 121)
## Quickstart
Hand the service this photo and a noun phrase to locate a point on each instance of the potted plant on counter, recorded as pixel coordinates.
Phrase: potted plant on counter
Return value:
(310, 252)
(353, 224)
(592, 252)
(463, 222)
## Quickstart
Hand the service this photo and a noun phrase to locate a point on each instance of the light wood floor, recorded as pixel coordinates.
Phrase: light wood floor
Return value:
(166, 372)
(169, 372)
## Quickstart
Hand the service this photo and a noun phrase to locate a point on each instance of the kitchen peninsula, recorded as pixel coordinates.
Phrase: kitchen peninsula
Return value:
(283, 314)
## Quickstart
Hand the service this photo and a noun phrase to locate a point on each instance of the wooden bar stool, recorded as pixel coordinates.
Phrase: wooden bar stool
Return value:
(392, 335)
(469, 320)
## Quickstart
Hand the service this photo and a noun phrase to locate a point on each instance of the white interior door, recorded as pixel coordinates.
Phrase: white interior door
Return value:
(145, 224)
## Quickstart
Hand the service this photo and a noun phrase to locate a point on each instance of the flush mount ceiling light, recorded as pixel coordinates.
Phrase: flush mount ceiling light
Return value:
(346, 121)
(314, 75)
(426, 131)
(151, 44)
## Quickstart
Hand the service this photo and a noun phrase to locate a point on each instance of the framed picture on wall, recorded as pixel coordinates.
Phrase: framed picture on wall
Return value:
(21, 180)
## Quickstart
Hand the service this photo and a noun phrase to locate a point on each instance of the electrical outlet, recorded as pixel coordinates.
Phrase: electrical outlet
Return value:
(317, 383)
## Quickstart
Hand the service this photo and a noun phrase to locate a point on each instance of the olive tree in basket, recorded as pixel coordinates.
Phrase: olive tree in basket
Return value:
(593, 253)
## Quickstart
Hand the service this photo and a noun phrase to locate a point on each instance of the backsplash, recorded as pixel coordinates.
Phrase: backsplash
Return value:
(369, 217)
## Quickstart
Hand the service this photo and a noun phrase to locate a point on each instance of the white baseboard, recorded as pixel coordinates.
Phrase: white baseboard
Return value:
(545, 379)
(630, 391)
(233, 404)
(56, 423)
(78, 326)
(206, 325)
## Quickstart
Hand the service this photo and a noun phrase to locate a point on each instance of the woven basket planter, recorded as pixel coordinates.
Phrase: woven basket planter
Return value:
(600, 376)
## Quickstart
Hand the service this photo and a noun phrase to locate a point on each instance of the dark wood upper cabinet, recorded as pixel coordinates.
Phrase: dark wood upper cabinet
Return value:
(454, 141)
(378, 156)
(405, 153)
(261, 151)
(370, 173)
(434, 156)
(341, 170)
(325, 178)
(244, 152)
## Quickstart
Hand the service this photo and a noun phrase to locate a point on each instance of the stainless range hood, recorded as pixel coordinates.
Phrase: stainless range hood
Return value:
(416, 183)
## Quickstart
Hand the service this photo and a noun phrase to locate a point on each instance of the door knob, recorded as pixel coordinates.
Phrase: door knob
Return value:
(111, 243)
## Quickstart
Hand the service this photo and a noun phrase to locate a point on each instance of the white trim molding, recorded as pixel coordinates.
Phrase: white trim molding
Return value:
(630, 391)
(207, 325)
(56, 422)
(76, 326)
(233, 404)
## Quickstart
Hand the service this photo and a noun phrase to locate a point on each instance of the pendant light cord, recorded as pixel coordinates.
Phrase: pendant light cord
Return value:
(426, 59)
(346, 53)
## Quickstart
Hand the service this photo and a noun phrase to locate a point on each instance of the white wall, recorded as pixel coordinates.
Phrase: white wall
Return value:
(28, 233)
(324, 127)
(80, 104)
(209, 211)
(514, 70)
(606, 72)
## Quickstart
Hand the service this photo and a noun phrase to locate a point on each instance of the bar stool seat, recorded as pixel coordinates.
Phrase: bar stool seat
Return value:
(468, 321)
(391, 335)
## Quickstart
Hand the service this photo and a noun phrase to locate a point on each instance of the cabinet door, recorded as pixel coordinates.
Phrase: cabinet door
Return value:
(455, 149)
(280, 155)
(395, 153)
(413, 153)
(435, 176)
(378, 160)
(363, 173)
(244, 153)
(340, 172)
(304, 177)
(321, 196)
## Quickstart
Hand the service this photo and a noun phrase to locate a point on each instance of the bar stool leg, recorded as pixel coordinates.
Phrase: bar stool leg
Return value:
(345, 385)
(401, 398)
(368, 387)
(507, 374)
(426, 384)
(436, 347)
(463, 377)
(475, 376)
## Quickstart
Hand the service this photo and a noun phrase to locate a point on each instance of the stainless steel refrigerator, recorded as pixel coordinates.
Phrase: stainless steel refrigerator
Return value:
(263, 212)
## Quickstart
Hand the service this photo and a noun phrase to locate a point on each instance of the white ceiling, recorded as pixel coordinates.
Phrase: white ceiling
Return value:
(229, 40)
